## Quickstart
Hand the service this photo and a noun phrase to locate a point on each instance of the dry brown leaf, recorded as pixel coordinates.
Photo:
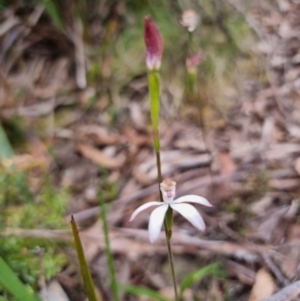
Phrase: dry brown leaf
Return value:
(135, 137)
(261, 206)
(297, 165)
(137, 115)
(265, 229)
(287, 293)
(284, 184)
(100, 135)
(99, 157)
(243, 273)
(173, 160)
(288, 263)
(282, 150)
(54, 292)
(226, 162)
(294, 233)
(263, 287)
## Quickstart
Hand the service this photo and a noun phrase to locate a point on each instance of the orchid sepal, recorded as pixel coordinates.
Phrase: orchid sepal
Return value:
(164, 212)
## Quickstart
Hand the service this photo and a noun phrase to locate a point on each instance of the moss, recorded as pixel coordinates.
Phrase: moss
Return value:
(45, 211)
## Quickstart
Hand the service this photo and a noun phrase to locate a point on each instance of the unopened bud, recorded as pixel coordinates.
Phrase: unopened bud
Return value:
(189, 19)
(154, 45)
(193, 61)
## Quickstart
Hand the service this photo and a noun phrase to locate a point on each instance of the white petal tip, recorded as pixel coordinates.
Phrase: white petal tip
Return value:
(202, 229)
(152, 239)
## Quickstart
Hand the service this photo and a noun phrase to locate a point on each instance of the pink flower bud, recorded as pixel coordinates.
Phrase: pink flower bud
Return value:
(193, 61)
(154, 45)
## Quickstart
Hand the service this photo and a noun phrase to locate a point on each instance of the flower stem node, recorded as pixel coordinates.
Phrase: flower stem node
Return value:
(168, 189)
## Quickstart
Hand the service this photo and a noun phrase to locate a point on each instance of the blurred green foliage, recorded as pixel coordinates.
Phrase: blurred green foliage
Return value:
(18, 210)
(13, 285)
(13, 187)
(6, 150)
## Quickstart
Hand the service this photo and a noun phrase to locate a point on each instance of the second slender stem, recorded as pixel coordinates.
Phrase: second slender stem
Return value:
(167, 231)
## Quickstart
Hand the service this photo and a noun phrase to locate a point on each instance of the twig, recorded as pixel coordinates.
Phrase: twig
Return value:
(286, 293)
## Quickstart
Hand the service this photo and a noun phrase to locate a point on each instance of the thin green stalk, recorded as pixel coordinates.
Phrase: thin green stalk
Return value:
(154, 89)
(191, 42)
(170, 253)
(110, 259)
(194, 94)
(158, 164)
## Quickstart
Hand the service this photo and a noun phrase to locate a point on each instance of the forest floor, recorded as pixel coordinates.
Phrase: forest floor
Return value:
(245, 161)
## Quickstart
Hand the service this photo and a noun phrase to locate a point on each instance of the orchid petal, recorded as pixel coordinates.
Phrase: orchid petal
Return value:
(190, 213)
(156, 220)
(143, 207)
(193, 199)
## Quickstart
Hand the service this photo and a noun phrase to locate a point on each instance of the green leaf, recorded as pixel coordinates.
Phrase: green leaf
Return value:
(53, 12)
(85, 272)
(212, 269)
(3, 299)
(141, 291)
(6, 150)
(12, 283)
(109, 255)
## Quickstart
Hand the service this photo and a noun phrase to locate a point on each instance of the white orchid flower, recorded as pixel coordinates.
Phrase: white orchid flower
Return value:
(168, 189)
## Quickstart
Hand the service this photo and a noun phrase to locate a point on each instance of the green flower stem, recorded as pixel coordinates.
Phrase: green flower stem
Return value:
(156, 142)
(191, 82)
(169, 222)
(170, 253)
(194, 96)
(154, 89)
(158, 164)
(169, 216)
(110, 259)
(191, 42)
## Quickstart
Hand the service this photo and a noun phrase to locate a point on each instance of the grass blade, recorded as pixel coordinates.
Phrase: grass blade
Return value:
(53, 12)
(110, 259)
(141, 291)
(212, 269)
(85, 272)
(6, 150)
(12, 283)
